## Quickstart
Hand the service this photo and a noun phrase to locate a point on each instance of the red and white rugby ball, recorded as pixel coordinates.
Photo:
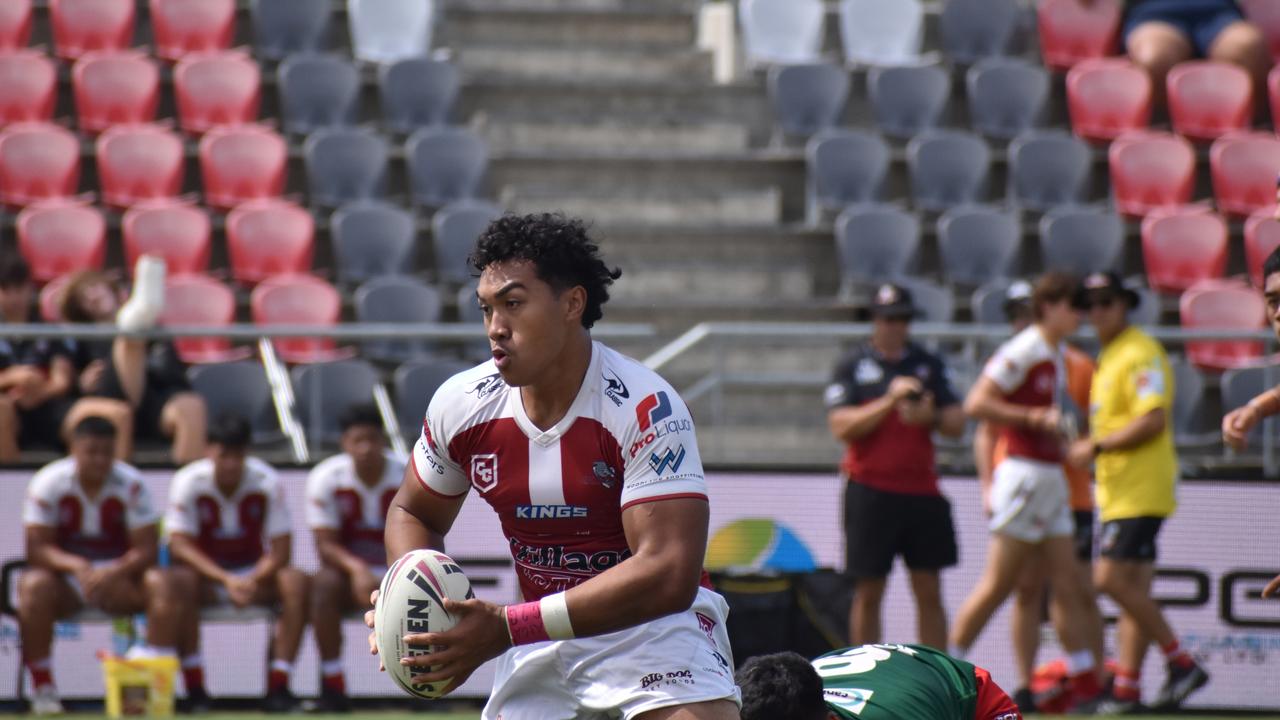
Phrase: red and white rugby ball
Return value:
(410, 601)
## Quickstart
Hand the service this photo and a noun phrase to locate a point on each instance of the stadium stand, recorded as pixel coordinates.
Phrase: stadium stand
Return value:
(325, 389)
(1081, 240)
(948, 168)
(200, 300)
(1243, 166)
(371, 239)
(1266, 15)
(417, 92)
(876, 243)
(175, 230)
(935, 301)
(345, 164)
(1261, 237)
(216, 88)
(239, 387)
(267, 238)
(182, 27)
(1150, 170)
(239, 163)
(415, 383)
(139, 162)
(1222, 305)
(38, 161)
(781, 31)
(59, 236)
(1208, 99)
(880, 33)
(385, 31)
(115, 88)
(453, 232)
(1183, 247)
(845, 167)
(28, 86)
(978, 245)
(397, 300)
(445, 165)
(282, 27)
(82, 26)
(908, 99)
(317, 91)
(976, 29)
(1047, 169)
(299, 300)
(1007, 96)
(807, 99)
(1108, 97)
(15, 24)
(1071, 31)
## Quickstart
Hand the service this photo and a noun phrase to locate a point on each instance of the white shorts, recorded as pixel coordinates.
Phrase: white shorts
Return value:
(1029, 500)
(675, 660)
(220, 594)
(74, 582)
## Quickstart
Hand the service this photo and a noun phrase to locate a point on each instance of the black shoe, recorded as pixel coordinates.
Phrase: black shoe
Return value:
(197, 702)
(1182, 681)
(1025, 700)
(280, 700)
(333, 701)
(1111, 705)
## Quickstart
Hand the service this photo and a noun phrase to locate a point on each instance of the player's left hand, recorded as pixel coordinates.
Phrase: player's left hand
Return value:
(1273, 588)
(480, 635)
(1080, 453)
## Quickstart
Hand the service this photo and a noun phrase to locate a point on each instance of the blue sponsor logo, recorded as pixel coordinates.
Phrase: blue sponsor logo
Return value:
(670, 460)
(549, 512)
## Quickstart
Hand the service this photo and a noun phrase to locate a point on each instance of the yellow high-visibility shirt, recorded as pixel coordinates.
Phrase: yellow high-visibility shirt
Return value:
(1133, 378)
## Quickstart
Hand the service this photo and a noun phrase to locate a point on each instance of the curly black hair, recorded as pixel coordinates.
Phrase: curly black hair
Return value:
(558, 246)
(781, 686)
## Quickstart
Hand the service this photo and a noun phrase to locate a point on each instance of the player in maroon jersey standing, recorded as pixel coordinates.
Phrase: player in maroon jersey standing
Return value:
(591, 462)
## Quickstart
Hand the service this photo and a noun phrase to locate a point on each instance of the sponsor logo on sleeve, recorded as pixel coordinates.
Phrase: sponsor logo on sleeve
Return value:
(615, 389)
(835, 394)
(652, 409)
(484, 471)
(486, 386)
(668, 460)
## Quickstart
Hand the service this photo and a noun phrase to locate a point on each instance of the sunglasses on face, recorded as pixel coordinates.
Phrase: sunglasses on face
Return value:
(1103, 303)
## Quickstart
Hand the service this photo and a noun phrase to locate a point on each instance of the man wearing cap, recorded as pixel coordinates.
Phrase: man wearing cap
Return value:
(1131, 445)
(884, 402)
(989, 448)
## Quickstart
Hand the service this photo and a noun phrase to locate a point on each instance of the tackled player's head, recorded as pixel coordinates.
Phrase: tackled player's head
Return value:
(1271, 288)
(93, 446)
(228, 439)
(542, 284)
(362, 438)
(781, 686)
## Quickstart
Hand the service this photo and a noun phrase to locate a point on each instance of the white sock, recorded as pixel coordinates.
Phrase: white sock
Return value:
(1079, 661)
(192, 661)
(283, 666)
(146, 302)
(331, 667)
(958, 653)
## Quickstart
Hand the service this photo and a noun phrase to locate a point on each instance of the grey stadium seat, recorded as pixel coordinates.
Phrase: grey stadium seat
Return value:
(1241, 385)
(1049, 168)
(1081, 240)
(876, 243)
(1148, 310)
(324, 390)
(987, 302)
(1189, 425)
(469, 313)
(934, 302)
(875, 32)
(238, 388)
(846, 167)
(345, 164)
(978, 244)
(975, 29)
(781, 31)
(415, 383)
(454, 230)
(807, 98)
(397, 300)
(317, 90)
(909, 99)
(948, 168)
(281, 27)
(388, 30)
(1006, 96)
(445, 164)
(417, 92)
(371, 238)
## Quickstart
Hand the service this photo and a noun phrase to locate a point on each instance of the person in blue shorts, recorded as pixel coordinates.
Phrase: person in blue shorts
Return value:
(1159, 34)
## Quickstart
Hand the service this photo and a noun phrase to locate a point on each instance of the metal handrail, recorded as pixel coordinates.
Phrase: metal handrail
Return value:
(246, 331)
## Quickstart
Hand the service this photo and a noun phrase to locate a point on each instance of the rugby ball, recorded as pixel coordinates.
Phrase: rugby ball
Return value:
(410, 601)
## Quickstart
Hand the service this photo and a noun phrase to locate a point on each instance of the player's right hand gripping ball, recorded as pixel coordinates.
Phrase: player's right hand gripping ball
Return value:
(410, 601)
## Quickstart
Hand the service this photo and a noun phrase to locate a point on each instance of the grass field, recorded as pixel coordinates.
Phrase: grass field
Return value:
(473, 715)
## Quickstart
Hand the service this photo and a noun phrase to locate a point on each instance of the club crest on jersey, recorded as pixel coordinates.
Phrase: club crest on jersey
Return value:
(668, 461)
(615, 389)
(607, 476)
(486, 386)
(707, 624)
(652, 409)
(484, 471)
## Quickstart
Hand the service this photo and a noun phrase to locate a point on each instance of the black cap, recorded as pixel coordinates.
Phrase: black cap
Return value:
(1105, 283)
(892, 301)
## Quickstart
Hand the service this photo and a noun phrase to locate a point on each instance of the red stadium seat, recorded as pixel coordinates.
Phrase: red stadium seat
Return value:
(15, 24)
(175, 230)
(1183, 246)
(1107, 98)
(28, 87)
(243, 162)
(139, 162)
(1151, 170)
(113, 88)
(1261, 236)
(81, 26)
(186, 26)
(1222, 305)
(1243, 167)
(216, 89)
(50, 299)
(1273, 90)
(1071, 31)
(38, 161)
(61, 236)
(1266, 15)
(200, 300)
(1209, 99)
(299, 300)
(269, 237)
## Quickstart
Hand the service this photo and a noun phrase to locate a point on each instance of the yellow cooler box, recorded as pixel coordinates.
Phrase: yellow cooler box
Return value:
(142, 686)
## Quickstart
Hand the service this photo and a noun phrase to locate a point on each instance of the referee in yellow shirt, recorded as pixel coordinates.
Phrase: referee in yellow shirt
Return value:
(1136, 467)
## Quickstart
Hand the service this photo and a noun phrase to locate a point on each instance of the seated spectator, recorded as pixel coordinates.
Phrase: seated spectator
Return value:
(140, 385)
(1159, 34)
(91, 541)
(37, 379)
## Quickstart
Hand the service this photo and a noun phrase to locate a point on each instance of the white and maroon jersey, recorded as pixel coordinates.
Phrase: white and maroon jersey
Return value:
(559, 494)
(337, 499)
(233, 530)
(1029, 371)
(95, 528)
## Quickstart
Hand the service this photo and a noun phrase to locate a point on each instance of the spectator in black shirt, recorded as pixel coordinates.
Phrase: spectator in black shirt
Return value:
(146, 376)
(37, 380)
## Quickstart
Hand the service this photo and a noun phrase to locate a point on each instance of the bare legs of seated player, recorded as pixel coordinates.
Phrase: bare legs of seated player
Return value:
(1158, 46)
(8, 430)
(45, 596)
(334, 592)
(1028, 605)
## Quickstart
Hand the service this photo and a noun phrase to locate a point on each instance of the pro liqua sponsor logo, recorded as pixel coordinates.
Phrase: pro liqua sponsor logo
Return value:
(654, 433)
(550, 512)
